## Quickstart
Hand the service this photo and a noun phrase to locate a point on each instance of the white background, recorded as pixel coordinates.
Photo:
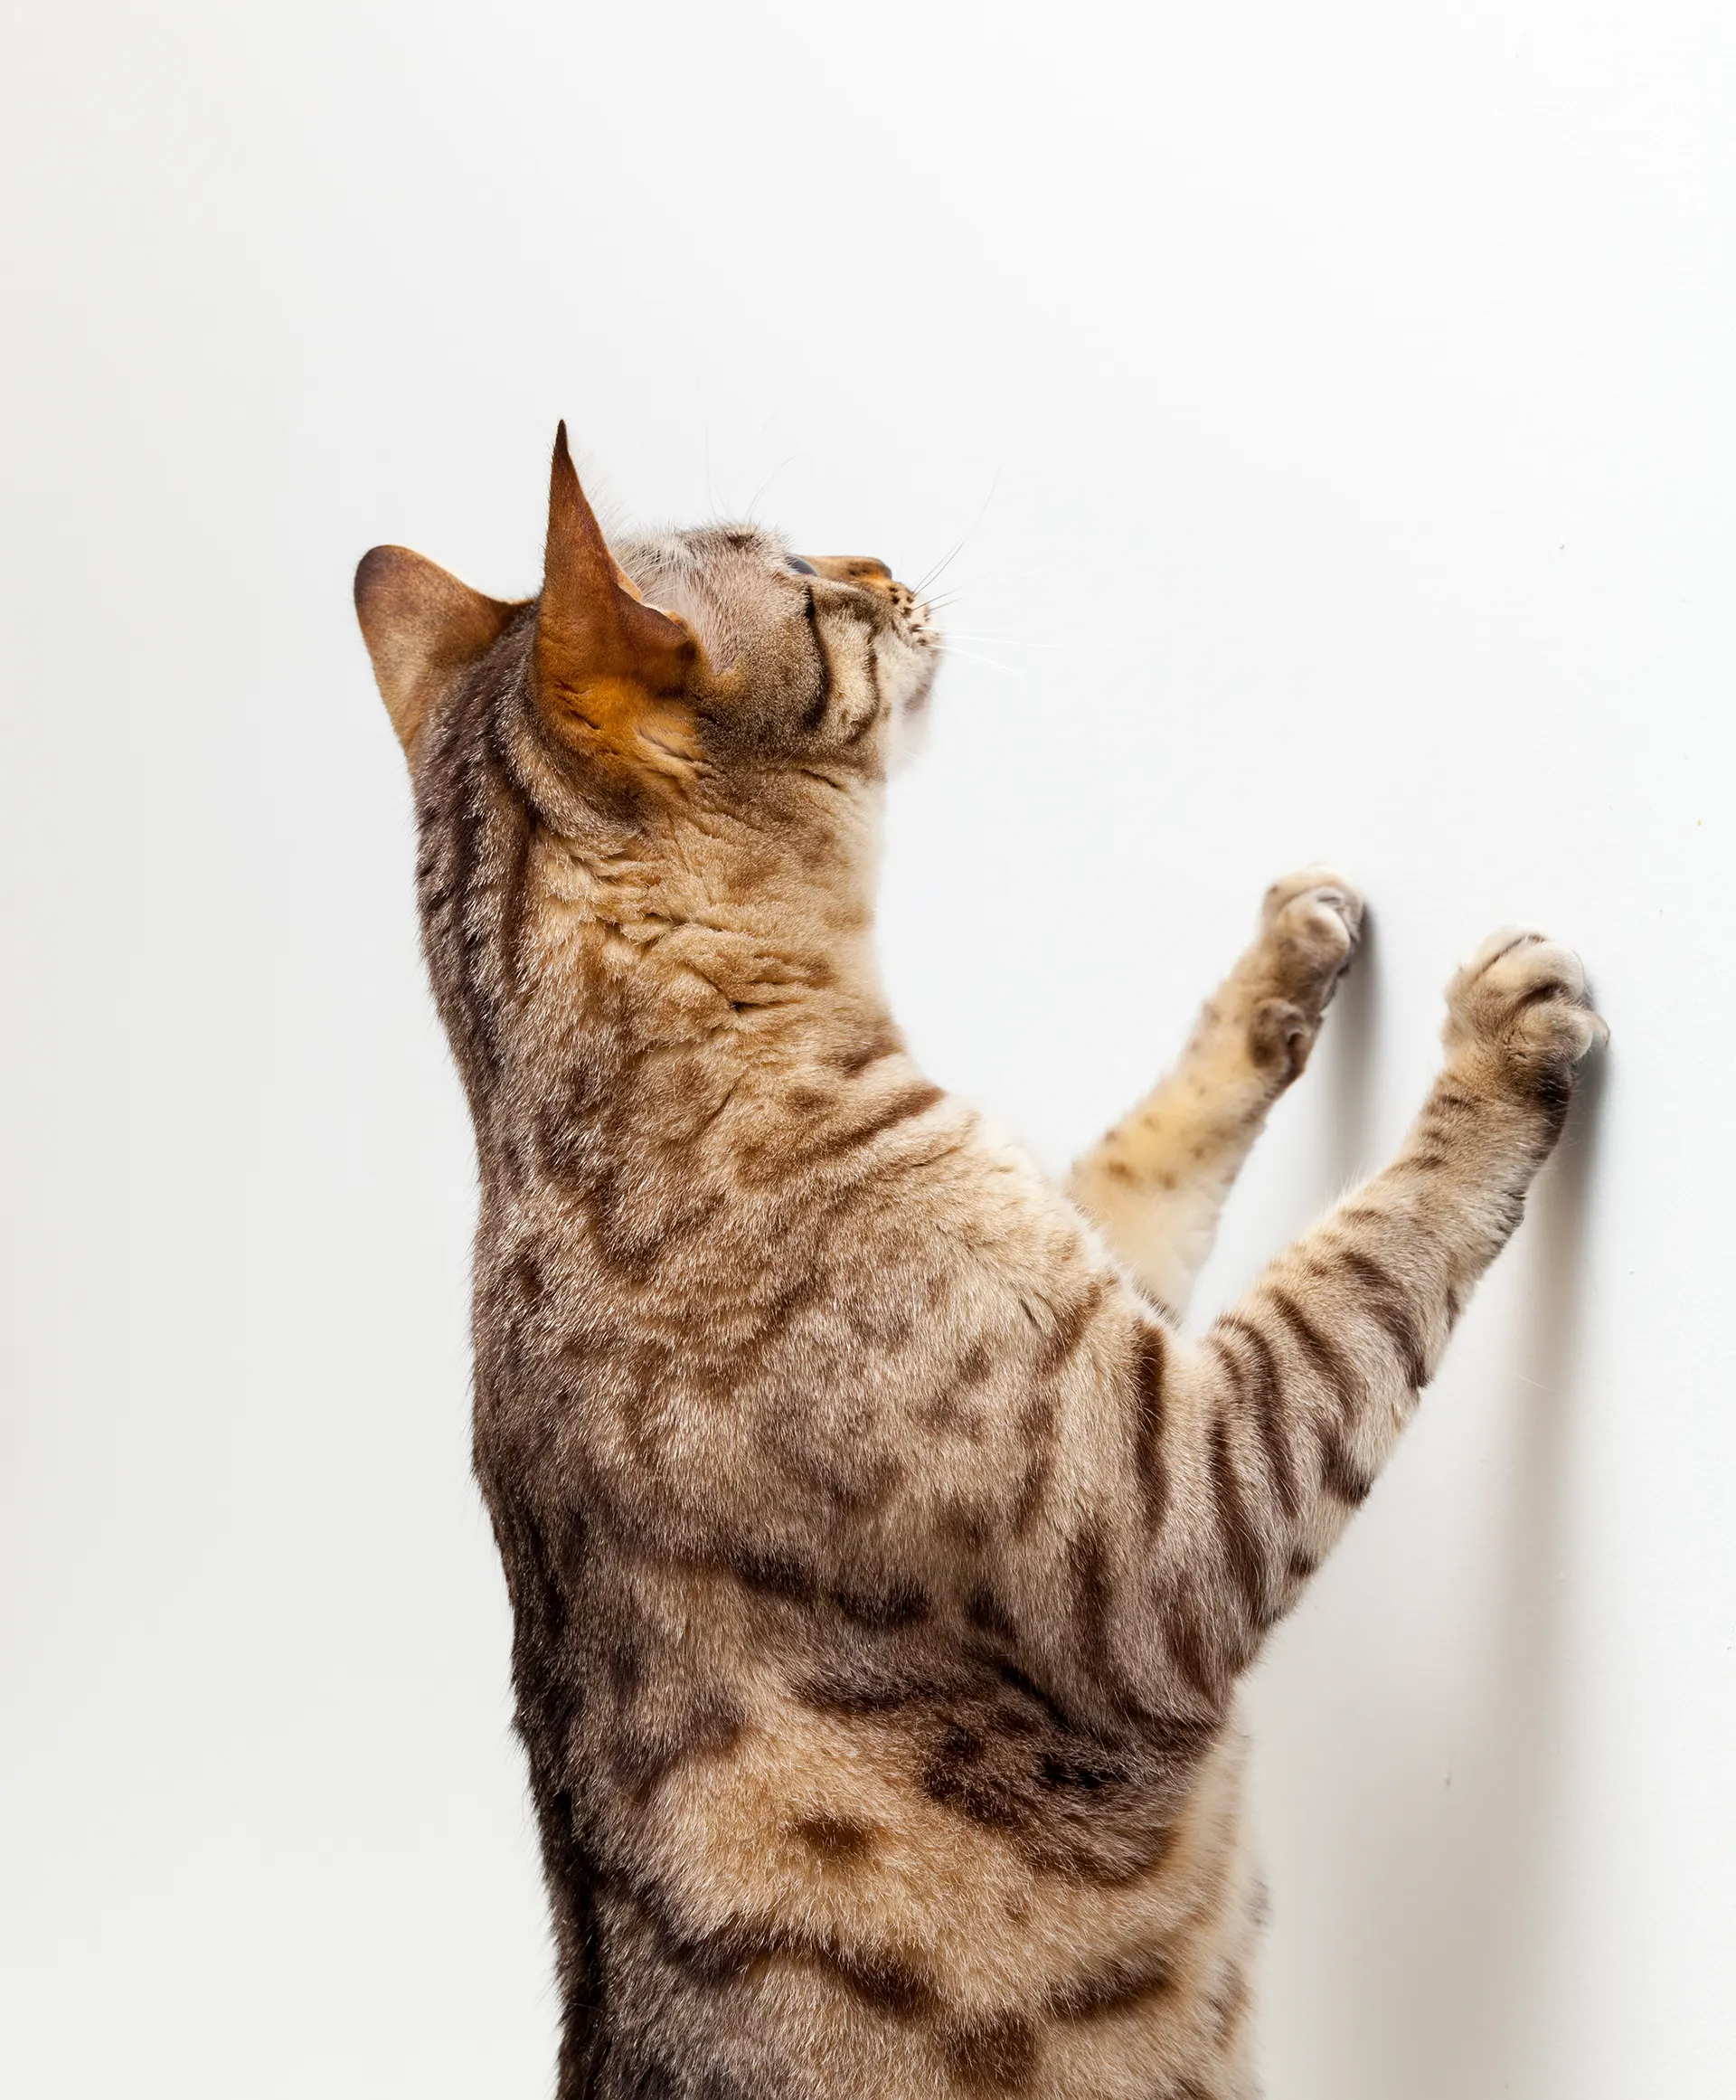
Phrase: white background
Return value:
(1335, 404)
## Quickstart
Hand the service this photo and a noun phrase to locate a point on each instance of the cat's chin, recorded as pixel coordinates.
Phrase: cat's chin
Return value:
(907, 733)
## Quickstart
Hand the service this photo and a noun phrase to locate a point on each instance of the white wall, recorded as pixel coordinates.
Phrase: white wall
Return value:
(1334, 406)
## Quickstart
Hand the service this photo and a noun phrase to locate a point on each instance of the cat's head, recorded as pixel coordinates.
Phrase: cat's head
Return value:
(676, 678)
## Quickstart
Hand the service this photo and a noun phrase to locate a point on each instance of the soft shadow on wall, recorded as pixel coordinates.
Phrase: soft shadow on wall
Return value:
(1447, 1869)
(1499, 1898)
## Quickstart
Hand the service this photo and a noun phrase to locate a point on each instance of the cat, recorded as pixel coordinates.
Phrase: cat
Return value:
(883, 1557)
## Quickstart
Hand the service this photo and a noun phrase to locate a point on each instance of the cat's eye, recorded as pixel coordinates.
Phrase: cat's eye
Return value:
(801, 567)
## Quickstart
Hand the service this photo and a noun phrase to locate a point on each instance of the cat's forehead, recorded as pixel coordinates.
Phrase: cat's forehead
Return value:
(730, 582)
(739, 550)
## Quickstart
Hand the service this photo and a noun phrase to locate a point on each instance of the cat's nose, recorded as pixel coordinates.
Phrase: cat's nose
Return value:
(855, 569)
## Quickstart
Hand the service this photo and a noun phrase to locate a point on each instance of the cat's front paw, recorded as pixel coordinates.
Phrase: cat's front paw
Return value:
(1522, 1001)
(1311, 924)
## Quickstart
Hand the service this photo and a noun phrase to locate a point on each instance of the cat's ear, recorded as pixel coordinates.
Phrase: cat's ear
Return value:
(614, 676)
(421, 627)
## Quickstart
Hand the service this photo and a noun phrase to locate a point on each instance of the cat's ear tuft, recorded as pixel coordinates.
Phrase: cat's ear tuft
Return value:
(422, 627)
(613, 674)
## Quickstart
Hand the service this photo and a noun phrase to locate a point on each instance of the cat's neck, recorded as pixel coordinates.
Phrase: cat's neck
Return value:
(639, 960)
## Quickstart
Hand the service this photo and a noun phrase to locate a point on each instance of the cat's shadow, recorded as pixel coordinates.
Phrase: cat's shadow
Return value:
(1353, 1027)
(1482, 1898)
(1503, 1887)
(1477, 1909)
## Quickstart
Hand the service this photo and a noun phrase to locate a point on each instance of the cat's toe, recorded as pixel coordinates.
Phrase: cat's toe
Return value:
(1313, 924)
(1525, 998)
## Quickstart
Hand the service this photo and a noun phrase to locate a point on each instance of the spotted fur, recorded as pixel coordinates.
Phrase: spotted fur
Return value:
(882, 1558)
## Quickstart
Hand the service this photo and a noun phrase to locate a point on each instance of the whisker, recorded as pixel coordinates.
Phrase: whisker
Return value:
(941, 567)
(975, 657)
(938, 569)
(765, 484)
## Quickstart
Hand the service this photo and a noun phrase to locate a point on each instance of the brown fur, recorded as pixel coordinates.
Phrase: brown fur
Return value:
(882, 1561)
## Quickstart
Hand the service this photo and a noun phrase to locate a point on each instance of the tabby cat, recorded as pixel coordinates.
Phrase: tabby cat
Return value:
(882, 1558)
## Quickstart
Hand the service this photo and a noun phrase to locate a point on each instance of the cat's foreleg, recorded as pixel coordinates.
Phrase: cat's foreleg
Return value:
(1272, 1431)
(1156, 1184)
